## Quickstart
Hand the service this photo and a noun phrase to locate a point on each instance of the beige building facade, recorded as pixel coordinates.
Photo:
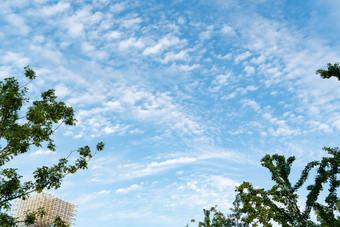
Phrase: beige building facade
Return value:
(52, 205)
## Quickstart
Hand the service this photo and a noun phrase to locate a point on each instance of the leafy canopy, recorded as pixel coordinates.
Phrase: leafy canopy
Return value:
(331, 71)
(255, 206)
(33, 129)
(215, 218)
(280, 203)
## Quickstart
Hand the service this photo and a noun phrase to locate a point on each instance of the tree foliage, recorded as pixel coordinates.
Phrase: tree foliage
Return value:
(34, 128)
(259, 207)
(280, 203)
(331, 71)
(215, 218)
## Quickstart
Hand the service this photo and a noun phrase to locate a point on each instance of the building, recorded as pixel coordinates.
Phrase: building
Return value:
(53, 207)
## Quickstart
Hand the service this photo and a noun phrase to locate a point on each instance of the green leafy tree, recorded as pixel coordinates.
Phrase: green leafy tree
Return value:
(215, 218)
(280, 203)
(236, 215)
(34, 128)
(331, 71)
(255, 206)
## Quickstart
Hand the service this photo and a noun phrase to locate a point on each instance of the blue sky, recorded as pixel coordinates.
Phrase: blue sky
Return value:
(186, 95)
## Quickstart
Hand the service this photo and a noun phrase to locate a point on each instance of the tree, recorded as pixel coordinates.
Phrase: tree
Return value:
(220, 220)
(236, 215)
(256, 206)
(332, 70)
(34, 128)
(280, 203)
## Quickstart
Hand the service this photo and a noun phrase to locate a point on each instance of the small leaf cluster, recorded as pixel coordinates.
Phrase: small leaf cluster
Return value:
(58, 222)
(32, 216)
(333, 70)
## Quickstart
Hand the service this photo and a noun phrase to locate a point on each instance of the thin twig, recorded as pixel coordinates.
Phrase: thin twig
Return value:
(57, 127)
(25, 84)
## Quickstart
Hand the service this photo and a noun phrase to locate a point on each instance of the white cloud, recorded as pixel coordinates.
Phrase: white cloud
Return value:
(225, 57)
(61, 90)
(219, 81)
(249, 69)
(186, 68)
(87, 47)
(42, 152)
(325, 128)
(133, 187)
(227, 30)
(114, 105)
(161, 45)
(118, 7)
(75, 27)
(81, 19)
(68, 133)
(202, 190)
(92, 197)
(114, 35)
(131, 42)
(53, 55)
(172, 162)
(317, 125)
(283, 130)
(55, 9)
(258, 60)
(251, 88)
(251, 103)
(38, 39)
(131, 22)
(171, 56)
(201, 154)
(242, 56)
(279, 127)
(19, 23)
(136, 131)
(223, 183)
(15, 58)
(205, 35)
(87, 98)
(229, 96)
(336, 124)
(119, 129)
(136, 104)
(156, 167)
